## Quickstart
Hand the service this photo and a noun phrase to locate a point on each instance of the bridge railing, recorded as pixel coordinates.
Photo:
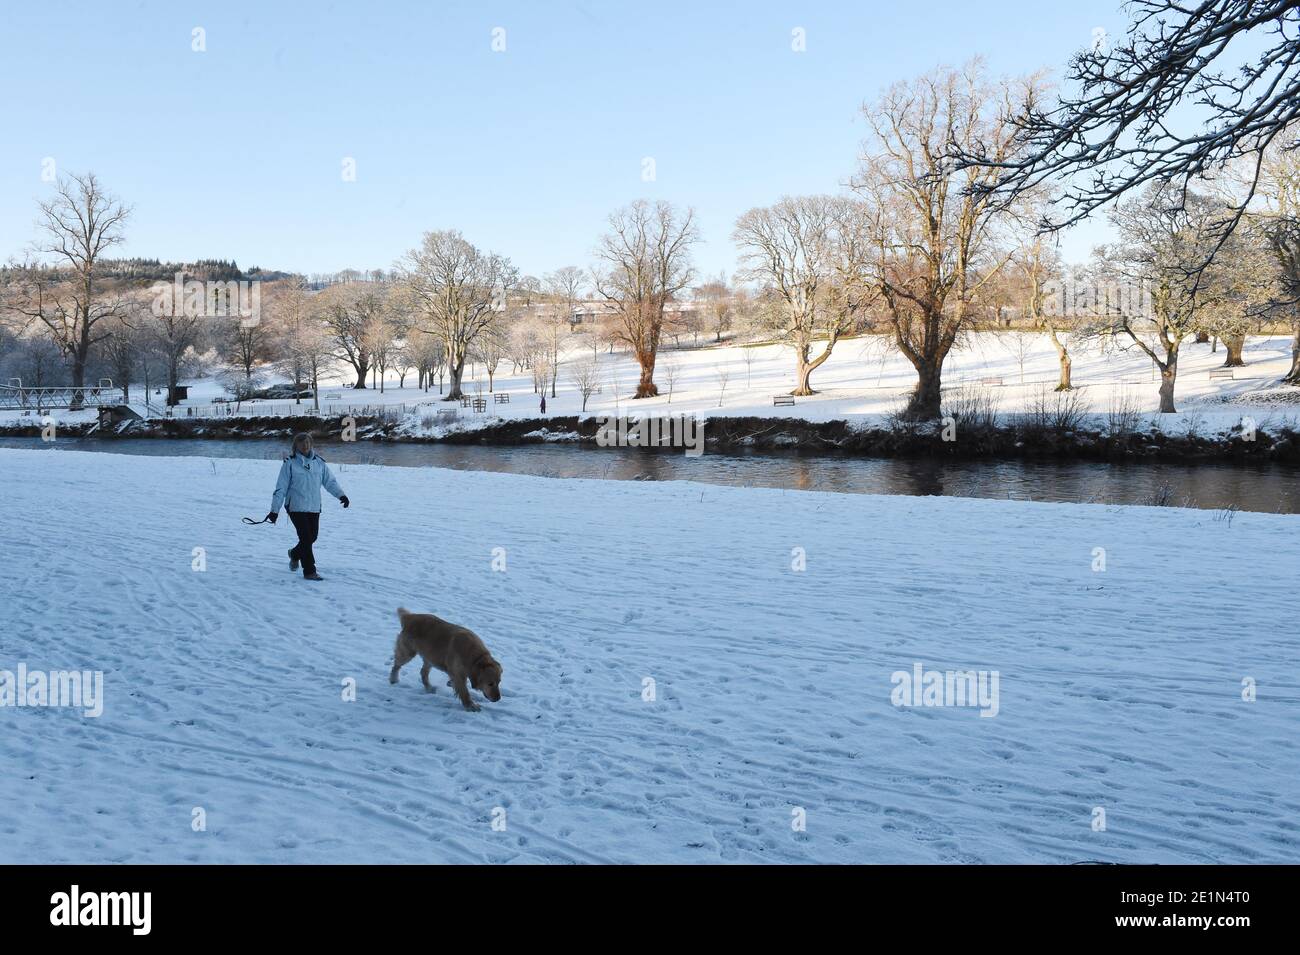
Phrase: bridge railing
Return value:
(22, 398)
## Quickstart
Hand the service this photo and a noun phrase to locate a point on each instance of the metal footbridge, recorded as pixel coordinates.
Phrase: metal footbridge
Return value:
(17, 397)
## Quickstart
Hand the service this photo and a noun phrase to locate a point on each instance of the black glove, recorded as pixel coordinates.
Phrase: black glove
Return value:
(272, 517)
(344, 500)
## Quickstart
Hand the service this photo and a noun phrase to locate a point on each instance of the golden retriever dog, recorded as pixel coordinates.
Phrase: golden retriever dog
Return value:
(455, 651)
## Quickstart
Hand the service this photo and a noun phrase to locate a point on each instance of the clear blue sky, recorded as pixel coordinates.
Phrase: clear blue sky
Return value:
(237, 152)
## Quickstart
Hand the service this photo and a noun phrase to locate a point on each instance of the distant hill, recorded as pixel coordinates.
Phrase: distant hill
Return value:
(154, 270)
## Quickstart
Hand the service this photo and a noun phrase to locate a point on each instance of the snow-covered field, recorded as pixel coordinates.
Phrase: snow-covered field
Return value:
(224, 688)
(864, 380)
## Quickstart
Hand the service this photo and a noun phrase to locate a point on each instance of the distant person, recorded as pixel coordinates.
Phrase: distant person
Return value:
(543, 403)
(302, 475)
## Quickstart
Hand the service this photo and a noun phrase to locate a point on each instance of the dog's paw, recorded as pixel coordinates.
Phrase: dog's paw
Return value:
(473, 707)
(429, 689)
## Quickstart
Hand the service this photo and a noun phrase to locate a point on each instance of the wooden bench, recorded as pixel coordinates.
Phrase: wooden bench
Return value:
(446, 414)
(991, 381)
(786, 401)
(1221, 373)
(502, 397)
(333, 397)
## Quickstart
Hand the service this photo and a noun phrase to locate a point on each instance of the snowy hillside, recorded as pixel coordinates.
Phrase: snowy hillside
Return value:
(224, 688)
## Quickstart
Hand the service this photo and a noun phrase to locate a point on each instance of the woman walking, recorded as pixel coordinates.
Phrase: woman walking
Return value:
(302, 475)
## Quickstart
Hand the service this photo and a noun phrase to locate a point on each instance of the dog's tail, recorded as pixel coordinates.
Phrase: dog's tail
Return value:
(402, 613)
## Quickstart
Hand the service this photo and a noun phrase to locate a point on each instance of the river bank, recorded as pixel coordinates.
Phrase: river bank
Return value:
(1023, 437)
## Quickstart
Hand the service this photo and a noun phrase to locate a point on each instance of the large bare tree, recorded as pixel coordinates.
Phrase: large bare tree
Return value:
(1158, 292)
(936, 228)
(813, 252)
(1123, 120)
(351, 311)
(78, 226)
(646, 259)
(458, 291)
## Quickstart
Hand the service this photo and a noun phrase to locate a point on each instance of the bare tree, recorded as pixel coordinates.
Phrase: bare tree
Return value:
(1020, 343)
(173, 334)
(585, 375)
(723, 374)
(122, 352)
(489, 348)
(1126, 123)
(351, 311)
(715, 298)
(672, 372)
(79, 225)
(747, 355)
(1163, 292)
(302, 340)
(646, 257)
(244, 346)
(458, 290)
(935, 226)
(812, 252)
(1038, 268)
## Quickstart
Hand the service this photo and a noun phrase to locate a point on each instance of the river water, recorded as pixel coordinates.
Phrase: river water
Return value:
(1271, 488)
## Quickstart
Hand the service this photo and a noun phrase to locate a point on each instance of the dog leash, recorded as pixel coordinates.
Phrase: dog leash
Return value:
(249, 520)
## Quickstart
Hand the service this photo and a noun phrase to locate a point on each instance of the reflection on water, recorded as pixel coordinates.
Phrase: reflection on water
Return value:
(1266, 488)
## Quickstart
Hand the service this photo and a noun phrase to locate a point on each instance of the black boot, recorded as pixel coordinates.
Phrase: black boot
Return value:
(293, 561)
(311, 575)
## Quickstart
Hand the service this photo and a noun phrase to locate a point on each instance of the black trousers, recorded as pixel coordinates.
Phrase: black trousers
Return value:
(307, 524)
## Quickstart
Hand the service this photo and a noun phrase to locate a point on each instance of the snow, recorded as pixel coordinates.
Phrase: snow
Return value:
(1119, 689)
(864, 381)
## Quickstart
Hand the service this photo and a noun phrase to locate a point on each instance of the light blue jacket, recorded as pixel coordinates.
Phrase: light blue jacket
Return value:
(300, 482)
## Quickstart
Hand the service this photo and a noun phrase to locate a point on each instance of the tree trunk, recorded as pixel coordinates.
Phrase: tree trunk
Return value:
(1234, 344)
(78, 377)
(646, 387)
(1293, 376)
(361, 368)
(802, 372)
(1063, 355)
(924, 403)
(804, 369)
(456, 373)
(1202, 338)
(1168, 375)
